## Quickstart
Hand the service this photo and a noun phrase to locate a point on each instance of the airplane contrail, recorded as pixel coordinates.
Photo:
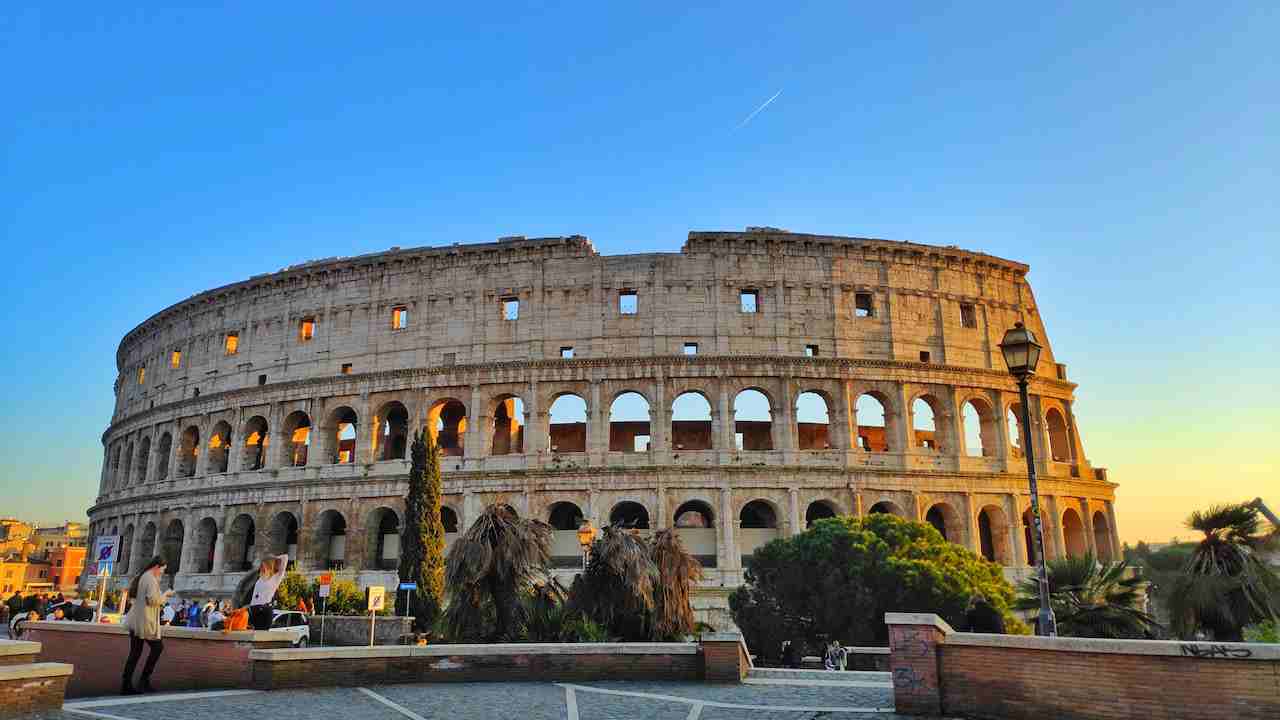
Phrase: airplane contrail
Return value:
(757, 110)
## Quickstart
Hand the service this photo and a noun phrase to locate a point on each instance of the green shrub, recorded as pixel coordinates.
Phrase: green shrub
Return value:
(1264, 632)
(345, 596)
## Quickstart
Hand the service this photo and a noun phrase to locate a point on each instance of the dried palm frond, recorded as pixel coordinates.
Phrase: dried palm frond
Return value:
(678, 572)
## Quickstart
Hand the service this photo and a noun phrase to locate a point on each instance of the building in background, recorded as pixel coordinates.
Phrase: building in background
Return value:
(48, 539)
(13, 573)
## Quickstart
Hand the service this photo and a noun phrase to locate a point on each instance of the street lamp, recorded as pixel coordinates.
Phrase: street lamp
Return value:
(1022, 353)
(586, 536)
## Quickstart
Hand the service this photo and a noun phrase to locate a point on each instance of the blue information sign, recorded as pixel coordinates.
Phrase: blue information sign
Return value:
(408, 586)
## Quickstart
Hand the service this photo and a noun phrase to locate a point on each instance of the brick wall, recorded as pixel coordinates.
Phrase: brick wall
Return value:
(22, 698)
(725, 658)
(188, 663)
(1010, 683)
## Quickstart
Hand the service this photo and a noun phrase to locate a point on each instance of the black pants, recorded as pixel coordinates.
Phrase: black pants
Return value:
(135, 652)
(260, 617)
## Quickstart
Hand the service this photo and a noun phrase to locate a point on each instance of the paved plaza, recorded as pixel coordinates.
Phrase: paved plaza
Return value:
(531, 701)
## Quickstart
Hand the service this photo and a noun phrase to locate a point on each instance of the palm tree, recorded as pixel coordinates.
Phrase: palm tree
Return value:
(499, 560)
(1092, 599)
(1225, 584)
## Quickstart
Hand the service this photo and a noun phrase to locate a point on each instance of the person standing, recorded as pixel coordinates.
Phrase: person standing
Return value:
(143, 621)
(270, 575)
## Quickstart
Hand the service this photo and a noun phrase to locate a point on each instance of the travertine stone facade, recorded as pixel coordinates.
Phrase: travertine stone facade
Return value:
(335, 362)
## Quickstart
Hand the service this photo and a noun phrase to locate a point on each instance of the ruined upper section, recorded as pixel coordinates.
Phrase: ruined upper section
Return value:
(760, 292)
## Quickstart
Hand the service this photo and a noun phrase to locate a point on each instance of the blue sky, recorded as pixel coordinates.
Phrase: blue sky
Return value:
(1129, 154)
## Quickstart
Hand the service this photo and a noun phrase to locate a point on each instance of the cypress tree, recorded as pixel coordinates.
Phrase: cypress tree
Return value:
(422, 546)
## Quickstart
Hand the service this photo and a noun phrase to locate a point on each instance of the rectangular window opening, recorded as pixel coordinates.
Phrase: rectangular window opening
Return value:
(642, 443)
(232, 345)
(175, 359)
(691, 348)
(262, 379)
(399, 317)
(968, 315)
(628, 301)
(737, 440)
(863, 305)
(924, 356)
(510, 308)
(566, 353)
(345, 370)
(142, 374)
(449, 358)
(307, 329)
(749, 301)
(811, 351)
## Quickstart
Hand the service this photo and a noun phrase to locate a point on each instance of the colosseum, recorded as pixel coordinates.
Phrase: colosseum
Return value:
(736, 390)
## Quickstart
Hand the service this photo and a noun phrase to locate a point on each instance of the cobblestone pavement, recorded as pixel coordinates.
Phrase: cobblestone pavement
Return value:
(524, 700)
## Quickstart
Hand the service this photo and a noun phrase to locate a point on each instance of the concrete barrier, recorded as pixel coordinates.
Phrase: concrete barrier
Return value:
(937, 671)
(192, 660)
(353, 630)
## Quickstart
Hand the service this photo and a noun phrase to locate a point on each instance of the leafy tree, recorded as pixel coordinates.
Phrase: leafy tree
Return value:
(422, 546)
(638, 589)
(838, 578)
(495, 563)
(1092, 599)
(1225, 585)
(1263, 632)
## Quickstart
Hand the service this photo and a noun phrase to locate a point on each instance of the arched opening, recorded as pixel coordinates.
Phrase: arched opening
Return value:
(144, 458)
(447, 421)
(946, 521)
(171, 546)
(383, 541)
(162, 458)
(887, 507)
(1073, 534)
(818, 510)
(629, 423)
(297, 433)
(125, 558)
(391, 434)
(219, 448)
(254, 453)
(1014, 421)
(240, 541)
(696, 526)
(449, 519)
(567, 425)
(331, 540)
(979, 428)
(1102, 536)
(508, 426)
(630, 515)
(565, 517)
(758, 523)
(206, 540)
(188, 452)
(1059, 443)
(924, 424)
(873, 434)
(752, 421)
(124, 476)
(342, 431)
(813, 422)
(283, 536)
(691, 422)
(147, 546)
(993, 535)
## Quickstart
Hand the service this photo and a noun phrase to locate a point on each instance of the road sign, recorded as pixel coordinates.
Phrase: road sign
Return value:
(324, 591)
(408, 586)
(376, 597)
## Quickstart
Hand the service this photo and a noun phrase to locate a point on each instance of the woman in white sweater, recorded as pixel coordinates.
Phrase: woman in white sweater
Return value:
(270, 575)
(143, 621)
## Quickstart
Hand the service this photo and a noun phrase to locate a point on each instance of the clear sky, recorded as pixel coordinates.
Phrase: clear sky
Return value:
(1129, 154)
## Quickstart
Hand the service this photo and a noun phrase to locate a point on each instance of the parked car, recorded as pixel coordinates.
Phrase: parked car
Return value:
(295, 623)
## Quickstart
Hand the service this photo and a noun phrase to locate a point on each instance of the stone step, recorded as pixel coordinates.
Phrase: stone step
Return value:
(823, 676)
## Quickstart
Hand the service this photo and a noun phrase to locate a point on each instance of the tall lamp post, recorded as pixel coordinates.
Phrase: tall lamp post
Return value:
(1022, 353)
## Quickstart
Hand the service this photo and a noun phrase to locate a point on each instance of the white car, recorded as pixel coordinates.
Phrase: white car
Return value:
(295, 623)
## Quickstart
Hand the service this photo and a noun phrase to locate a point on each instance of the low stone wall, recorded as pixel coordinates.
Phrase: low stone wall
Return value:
(717, 659)
(26, 686)
(192, 659)
(1007, 677)
(348, 630)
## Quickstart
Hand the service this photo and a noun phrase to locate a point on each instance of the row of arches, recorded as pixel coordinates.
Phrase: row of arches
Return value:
(630, 430)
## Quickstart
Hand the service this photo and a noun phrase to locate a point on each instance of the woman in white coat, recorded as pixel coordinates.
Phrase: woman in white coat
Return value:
(143, 621)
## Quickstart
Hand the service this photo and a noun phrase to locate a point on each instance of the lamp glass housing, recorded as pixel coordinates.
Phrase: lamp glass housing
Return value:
(1021, 350)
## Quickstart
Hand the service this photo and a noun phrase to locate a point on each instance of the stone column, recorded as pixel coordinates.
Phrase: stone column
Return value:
(1088, 527)
(1053, 531)
(727, 443)
(973, 538)
(1017, 536)
(1117, 551)
(903, 427)
(951, 425)
(794, 519)
(477, 422)
(597, 426)
(366, 426)
(218, 551)
(732, 555)
(789, 436)
(175, 445)
(1004, 446)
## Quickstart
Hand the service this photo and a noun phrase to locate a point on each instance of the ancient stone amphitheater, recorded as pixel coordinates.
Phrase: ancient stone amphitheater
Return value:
(737, 390)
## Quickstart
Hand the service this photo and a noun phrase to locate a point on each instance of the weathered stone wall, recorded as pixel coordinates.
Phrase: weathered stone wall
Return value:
(164, 487)
(354, 631)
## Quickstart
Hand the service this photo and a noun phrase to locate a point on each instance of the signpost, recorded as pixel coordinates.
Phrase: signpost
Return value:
(104, 570)
(376, 599)
(408, 587)
(325, 581)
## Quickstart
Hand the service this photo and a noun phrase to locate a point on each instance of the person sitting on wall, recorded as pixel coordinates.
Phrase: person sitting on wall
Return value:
(270, 574)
